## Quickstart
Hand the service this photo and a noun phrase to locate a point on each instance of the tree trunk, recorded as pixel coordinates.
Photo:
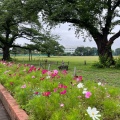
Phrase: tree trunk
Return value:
(6, 53)
(105, 53)
(48, 54)
(29, 55)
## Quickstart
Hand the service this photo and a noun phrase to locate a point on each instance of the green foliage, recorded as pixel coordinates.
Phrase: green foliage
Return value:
(85, 51)
(23, 95)
(98, 65)
(16, 21)
(29, 85)
(117, 65)
(111, 109)
(106, 62)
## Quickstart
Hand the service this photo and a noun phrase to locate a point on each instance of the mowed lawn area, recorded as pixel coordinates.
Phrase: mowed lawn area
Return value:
(110, 76)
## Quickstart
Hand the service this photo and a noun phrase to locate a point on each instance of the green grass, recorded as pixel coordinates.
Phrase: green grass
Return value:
(31, 87)
(110, 76)
(74, 61)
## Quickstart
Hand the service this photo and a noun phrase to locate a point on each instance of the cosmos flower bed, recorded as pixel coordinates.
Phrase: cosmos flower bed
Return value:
(58, 95)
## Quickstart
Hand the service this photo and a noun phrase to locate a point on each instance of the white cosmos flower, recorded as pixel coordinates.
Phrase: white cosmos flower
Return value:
(99, 83)
(93, 113)
(80, 85)
(47, 77)
(84, 90)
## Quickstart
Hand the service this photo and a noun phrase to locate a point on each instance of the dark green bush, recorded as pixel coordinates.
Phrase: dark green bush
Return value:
(117, 65)
(98, 65)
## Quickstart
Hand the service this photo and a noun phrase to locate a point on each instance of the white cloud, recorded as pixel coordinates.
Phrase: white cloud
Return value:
(67, 37)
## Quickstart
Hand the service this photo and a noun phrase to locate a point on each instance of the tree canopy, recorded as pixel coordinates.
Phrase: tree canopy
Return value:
(86, 51)
(49, 45)
(16, 21)
(97, 17)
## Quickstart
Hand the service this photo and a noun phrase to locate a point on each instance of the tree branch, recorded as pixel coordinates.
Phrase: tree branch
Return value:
(83, 24)
(25, 47)
(110, 13)
(13, 38)
(108, 19)
(18, 46)
(111, 40)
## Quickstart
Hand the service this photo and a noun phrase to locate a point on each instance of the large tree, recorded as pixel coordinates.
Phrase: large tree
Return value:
(52, 47)
(48, 44)
(97, 17)
(16, 21)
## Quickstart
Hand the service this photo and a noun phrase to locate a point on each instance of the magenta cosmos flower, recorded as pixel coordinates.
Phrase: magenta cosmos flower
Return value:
(63, 92)
(44, 71)
(78, 78)
(46, 93)
(88, 94)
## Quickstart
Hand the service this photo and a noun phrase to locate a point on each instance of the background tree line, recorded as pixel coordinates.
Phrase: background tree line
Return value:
(58, 50)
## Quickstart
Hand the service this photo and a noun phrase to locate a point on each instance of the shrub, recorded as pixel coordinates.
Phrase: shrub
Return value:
(98, 65)
(117, 65)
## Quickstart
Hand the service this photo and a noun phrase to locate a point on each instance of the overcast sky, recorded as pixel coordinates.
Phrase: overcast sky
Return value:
(67, 37)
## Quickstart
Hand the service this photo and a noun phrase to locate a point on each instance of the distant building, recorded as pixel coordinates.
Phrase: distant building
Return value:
(70, 49)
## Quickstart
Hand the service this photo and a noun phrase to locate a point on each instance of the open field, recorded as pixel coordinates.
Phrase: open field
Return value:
(110, 76)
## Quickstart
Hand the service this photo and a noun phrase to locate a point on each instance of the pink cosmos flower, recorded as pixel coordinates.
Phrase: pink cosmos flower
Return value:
(44, 71)
(46, 93)
(60, 86)
(49, 73)
(61, 105)
(33, 76)
(63, 92)
(64, 72)
(78, 78)
(64, 86)
(32, 68)
(88, 94)
(53, 75)
(23, 86)
(36, 93)
(55, 89)
(55, 72)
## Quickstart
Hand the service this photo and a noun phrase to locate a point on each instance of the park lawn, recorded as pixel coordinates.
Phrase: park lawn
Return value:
(107, 75)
